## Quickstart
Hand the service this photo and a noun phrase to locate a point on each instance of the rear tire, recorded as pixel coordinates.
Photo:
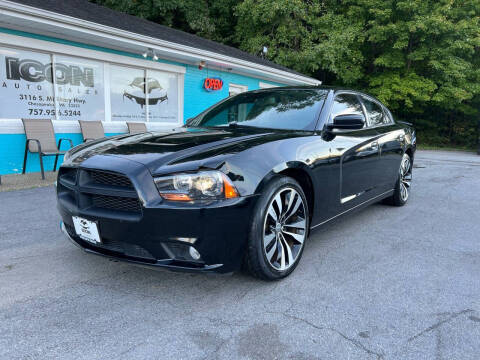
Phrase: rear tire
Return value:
(403, 184)
(278, 230)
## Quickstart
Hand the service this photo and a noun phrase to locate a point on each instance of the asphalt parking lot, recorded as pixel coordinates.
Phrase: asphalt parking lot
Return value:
(384, 283)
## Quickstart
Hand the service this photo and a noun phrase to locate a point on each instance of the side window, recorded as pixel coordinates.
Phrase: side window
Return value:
(346, 104)
(388, 116)
(375, 113)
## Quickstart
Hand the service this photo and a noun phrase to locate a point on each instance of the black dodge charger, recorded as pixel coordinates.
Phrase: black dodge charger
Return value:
(242, 183)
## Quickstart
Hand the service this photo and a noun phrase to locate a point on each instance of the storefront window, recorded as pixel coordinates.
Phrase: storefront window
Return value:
(162, 91)
(127, 93)
(79, 89)
(75, 88)
(26, 89)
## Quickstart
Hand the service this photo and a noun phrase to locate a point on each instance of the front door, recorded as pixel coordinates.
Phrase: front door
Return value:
(357, 155)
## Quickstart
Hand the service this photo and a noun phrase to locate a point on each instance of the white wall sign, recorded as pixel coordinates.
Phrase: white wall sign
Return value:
(37, 85)
(79, 90)
(26, 86)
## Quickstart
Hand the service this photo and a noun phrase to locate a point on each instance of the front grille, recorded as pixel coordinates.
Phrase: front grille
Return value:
(116, 203)
(131, 250)
(120, 247)
(98, 190)
(67, 178)
(68, 175)
(111, 245)
(137, 251)
(101, 189)
(109, 178)
(126, 249)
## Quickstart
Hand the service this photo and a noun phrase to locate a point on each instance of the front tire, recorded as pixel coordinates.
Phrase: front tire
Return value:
(404, 182)
(278, 230)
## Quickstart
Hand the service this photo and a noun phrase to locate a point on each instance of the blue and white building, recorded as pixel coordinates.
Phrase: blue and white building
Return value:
(74, 60)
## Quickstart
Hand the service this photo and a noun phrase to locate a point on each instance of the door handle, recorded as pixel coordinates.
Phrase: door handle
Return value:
(374, 145)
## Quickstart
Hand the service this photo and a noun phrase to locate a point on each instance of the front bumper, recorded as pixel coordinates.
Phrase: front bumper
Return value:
(161, 233)
(169, 264)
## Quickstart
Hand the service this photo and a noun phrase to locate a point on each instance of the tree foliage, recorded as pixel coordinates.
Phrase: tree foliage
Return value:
(420, 57)
(207, 18)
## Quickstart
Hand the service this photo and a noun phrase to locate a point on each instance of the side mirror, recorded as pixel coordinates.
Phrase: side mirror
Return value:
(348, 122)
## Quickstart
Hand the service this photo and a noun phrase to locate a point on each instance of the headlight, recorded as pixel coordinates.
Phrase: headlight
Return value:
(205, 185)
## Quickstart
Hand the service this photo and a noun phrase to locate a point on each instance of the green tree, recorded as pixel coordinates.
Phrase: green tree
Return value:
(212, 19)
(420, 57)
(424, 63)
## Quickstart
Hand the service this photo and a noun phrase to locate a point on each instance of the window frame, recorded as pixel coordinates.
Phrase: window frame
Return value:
(389, 115)
(382, 107)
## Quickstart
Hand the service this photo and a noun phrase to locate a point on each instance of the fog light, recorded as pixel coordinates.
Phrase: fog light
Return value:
(194, 253)
(180, 251)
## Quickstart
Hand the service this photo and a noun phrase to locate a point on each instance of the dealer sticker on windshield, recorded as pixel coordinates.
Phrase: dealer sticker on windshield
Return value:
(86, 229)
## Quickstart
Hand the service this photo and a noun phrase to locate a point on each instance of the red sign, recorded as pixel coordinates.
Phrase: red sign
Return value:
(213, 84)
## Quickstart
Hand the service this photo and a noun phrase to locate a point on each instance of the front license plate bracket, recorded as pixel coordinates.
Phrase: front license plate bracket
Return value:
(87, 230)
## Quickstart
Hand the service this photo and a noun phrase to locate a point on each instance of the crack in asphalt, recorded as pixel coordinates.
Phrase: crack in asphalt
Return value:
(353, 341)
(130, 349)
(440, 323)
(214, 352)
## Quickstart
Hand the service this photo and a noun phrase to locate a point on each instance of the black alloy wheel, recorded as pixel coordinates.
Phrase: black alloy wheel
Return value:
(278, 231)
(404, 182)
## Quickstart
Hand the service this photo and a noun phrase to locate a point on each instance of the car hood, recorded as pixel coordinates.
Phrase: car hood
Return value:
(183, 148)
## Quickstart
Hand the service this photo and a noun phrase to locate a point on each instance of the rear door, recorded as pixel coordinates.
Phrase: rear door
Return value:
(390, 142)
(356, 152)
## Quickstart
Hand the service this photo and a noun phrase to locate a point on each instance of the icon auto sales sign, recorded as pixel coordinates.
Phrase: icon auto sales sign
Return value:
(31, 86)
(213, 84)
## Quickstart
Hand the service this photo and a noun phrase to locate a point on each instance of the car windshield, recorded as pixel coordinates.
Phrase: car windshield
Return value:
(276, 109)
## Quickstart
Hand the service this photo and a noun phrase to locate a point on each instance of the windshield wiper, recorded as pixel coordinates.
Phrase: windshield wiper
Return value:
(233, 125)
(237, 124)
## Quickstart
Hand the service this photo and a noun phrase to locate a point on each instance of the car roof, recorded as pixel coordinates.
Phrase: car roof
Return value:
(308, 87)
(334, 89)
